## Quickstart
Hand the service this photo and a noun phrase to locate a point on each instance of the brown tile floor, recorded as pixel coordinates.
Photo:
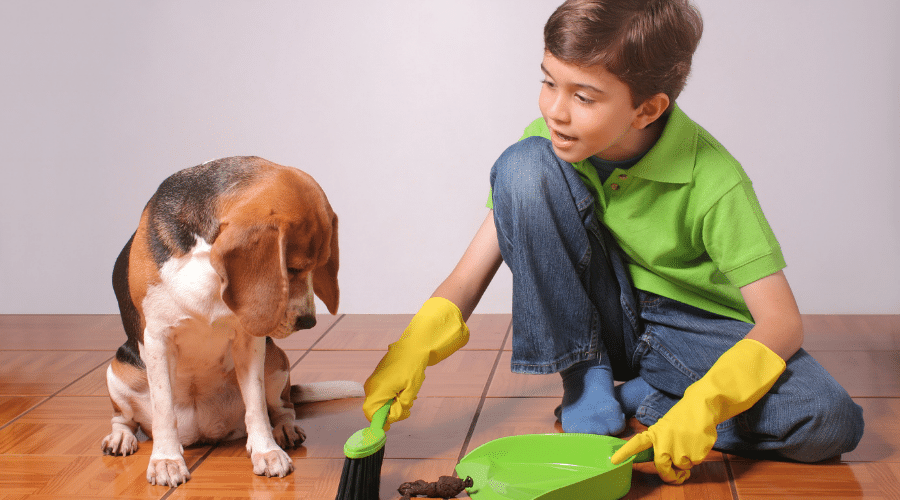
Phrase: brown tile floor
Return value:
(54, 411)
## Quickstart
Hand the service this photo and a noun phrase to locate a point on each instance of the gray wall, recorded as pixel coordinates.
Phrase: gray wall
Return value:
(399, 108)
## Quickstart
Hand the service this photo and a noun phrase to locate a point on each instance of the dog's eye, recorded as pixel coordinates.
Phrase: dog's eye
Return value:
(293, 271)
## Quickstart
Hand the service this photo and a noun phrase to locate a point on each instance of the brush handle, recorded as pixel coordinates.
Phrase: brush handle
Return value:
(379, 419)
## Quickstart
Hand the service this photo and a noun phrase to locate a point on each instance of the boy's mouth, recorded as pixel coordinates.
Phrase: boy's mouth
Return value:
(564, 136)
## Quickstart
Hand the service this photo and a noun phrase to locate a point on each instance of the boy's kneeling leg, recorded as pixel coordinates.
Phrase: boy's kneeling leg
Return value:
(806, 417)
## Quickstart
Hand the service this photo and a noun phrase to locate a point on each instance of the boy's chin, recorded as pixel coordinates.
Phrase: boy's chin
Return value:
(569, 156)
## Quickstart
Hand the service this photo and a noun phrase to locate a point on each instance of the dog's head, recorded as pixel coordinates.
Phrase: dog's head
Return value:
(277, 245)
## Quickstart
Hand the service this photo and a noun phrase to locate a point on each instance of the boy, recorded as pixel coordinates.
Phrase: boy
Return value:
(639, 253)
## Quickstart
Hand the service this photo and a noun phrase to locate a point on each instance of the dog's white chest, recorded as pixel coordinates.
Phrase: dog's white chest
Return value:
(204, 389)
(189, 286)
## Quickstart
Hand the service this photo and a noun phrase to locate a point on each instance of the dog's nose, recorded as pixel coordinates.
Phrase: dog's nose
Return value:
(305, 323)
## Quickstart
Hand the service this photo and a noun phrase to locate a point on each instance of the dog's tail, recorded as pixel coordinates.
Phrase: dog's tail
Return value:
(326, 391)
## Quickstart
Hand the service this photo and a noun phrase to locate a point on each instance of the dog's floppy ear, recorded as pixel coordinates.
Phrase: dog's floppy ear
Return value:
(250, 261)
(325, 282)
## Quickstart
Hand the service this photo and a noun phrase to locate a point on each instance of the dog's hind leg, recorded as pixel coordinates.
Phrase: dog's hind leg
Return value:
(125, 399)
(126, 376)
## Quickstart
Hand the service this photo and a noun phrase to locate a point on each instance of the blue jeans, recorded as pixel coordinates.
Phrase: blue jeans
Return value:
(572, 297)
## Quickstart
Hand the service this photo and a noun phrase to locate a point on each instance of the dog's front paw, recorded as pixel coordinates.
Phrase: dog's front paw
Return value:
(119, 443)
(167, 472)
(275, 463)
(288, 434)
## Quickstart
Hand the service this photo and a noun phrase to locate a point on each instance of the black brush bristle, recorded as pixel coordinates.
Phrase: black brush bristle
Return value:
(361, 477)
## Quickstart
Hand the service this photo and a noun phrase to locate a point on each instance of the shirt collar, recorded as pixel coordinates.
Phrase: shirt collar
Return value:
(673, 156)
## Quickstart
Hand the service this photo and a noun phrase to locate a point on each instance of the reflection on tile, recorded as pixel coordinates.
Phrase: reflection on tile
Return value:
(363, 332)
(312, 479)
(322, 366)
(95, 477)
(829, 332)
(762, 479)
(464, 375)
(435, 430)
(864, 374)
(881, 438)
(508, 384)
(42, 373)
(375, 332)
(709, 480)
(78, 332)
(487, 331)
(50, 429)
(233, 478)
(514, 416)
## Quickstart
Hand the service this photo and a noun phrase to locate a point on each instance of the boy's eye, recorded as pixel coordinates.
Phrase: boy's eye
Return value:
(584, 99)
(548, 83)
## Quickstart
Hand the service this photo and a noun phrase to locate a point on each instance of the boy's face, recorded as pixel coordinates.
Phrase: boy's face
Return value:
(588, 111)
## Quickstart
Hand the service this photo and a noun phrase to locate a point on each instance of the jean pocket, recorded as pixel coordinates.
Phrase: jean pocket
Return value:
(661, 367)
(648, 300)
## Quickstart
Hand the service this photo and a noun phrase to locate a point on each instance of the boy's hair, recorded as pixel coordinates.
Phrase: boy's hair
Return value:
(648, 44)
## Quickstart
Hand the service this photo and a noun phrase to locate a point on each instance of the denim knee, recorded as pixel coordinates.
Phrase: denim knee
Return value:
(835, 428)
(529, 173)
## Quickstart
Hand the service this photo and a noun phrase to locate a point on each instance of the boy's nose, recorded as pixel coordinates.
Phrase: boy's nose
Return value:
(557, 109)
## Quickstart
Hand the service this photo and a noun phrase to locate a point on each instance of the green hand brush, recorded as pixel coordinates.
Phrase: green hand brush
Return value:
(361, 477)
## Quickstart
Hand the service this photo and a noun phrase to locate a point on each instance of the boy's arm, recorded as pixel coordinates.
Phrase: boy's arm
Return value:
(437, 330)
(470, 278)
(777, 319)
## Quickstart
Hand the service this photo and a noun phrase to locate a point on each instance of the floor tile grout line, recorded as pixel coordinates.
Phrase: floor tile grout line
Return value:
(200, 460)
(310, 348)
(487, 387)
(48, 398)
(730, 474)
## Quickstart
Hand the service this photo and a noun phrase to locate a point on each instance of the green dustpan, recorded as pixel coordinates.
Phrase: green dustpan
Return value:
(547, 467)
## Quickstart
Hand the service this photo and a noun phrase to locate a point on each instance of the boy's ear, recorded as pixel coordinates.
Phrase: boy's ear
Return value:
(650, 110)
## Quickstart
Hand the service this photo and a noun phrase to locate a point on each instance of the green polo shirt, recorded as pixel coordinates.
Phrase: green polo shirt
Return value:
(686, 218)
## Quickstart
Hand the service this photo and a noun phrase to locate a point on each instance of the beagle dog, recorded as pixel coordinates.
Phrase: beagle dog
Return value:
(226, 257)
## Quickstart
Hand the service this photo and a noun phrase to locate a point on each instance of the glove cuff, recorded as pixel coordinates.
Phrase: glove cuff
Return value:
(740, 378)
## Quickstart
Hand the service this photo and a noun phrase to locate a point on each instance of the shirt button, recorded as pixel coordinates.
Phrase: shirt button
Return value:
(614, 187)
(623, 176)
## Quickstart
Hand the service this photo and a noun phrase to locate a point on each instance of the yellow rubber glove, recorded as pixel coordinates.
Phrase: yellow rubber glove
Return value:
(687, 432)
(435, 332)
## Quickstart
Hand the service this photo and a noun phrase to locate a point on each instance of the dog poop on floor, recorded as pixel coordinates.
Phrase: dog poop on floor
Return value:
(445, 487)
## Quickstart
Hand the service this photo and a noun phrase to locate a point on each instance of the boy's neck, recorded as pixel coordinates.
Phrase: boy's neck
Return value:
(638, 142)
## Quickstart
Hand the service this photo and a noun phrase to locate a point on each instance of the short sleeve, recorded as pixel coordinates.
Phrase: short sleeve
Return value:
(738, 238)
